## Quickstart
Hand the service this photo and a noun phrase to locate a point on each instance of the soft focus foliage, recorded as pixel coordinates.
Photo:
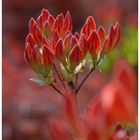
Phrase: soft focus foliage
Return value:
(109, 109)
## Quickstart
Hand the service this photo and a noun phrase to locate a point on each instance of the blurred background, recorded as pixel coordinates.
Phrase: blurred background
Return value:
(27, 106)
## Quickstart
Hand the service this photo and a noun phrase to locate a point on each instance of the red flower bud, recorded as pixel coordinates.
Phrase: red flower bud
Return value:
(106, 47)
(117, 32)
(45, 13)
(40, 21)
(67, 44)
(30, 40)
(75, 56)
(37, 35)
(102, 34)
(47, 57)
(111, 39)
(73, 42)
(63, 25)
(83, 44)
(59, 52)
(45, 41)
(88, 27)
(51, 20)
(76, 35)
(58, 23)
(47, 29)
(36, 56)
(55, 38)
(32, 22)
(68, 22)
(27, 53)
(33, 57)
(94, 44)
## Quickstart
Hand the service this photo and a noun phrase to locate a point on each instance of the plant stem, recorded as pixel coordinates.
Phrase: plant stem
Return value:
(84, 80)
(76, 80)
(60, 77)
(71, 85)
(55, 88)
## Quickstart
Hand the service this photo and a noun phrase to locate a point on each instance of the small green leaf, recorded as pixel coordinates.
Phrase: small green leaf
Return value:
(38, 81)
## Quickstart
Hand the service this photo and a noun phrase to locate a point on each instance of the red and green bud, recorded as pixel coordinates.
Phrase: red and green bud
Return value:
(88, 27)
(117, 32)
(102, 34)
(111, 39)
(68, 22)
(55, 38)
(36, 56)
(63, 24)
(59, 52)
(76, 35)
(45, 13)
(30, 40)
(27, 53)
(36, 33)
(33, 57)
(67, 44)
(32, 22)
(94, 44)
(83, 44)
(75, 56)
(47, 58)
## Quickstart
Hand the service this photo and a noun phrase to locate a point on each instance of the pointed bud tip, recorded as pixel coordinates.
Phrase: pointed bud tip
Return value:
(45, 11)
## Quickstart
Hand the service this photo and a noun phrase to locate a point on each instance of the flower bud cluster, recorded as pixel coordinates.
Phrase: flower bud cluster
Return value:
(51, 40)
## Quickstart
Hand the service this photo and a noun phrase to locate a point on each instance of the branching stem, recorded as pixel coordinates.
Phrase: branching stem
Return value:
(55, 88)
(61, 80)
(77, 90)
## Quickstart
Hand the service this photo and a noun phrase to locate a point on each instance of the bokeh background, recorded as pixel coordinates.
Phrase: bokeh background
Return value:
(27, 106)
